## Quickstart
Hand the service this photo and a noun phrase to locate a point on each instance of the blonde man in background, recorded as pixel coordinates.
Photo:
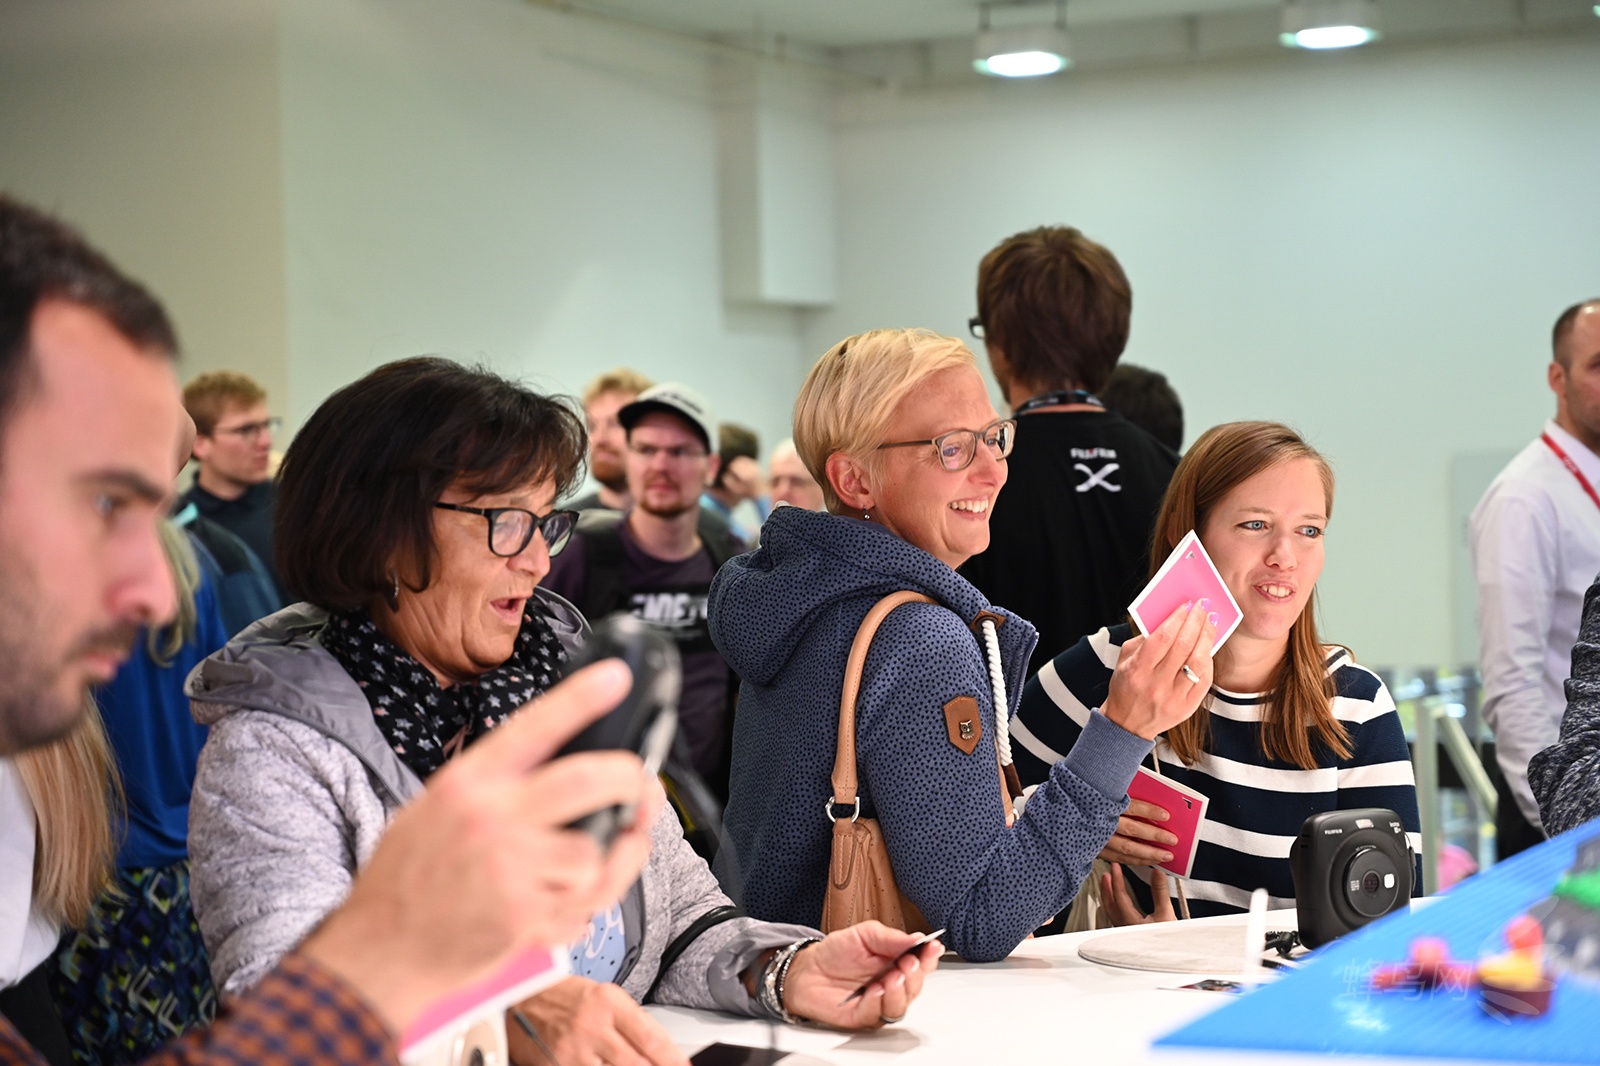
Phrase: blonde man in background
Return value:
(233, 446)
(608, 441)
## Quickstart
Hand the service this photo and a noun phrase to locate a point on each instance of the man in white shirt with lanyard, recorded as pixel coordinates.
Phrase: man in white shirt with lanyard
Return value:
(1536, 549)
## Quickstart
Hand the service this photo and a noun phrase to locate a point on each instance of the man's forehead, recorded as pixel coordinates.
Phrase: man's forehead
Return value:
(95, 383)
(1586, 327)
(237, 410)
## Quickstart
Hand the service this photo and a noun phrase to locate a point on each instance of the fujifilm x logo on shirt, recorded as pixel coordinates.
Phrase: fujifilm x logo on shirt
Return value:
(1097, 475)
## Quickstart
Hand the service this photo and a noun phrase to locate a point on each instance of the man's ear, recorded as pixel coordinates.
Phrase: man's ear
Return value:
(852, 482)
(202, 447)
(713, 465)
(1557, 377)
(998, 365)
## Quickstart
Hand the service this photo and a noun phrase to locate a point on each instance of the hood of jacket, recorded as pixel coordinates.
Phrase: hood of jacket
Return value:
(808, 562)
(278, 665)
(266, 666)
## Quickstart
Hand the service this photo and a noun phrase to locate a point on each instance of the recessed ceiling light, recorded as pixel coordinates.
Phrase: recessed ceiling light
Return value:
(1021, 51)
(1322, 24)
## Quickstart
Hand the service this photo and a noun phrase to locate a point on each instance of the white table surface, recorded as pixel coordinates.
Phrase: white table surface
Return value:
(1042, 1004)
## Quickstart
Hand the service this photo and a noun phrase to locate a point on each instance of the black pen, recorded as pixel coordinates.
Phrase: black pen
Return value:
(889, 969)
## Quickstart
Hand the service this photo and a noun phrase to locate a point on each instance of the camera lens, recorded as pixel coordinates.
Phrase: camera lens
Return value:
(1371, 884)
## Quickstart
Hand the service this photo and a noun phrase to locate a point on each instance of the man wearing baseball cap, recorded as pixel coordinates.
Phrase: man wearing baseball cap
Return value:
(656, 559)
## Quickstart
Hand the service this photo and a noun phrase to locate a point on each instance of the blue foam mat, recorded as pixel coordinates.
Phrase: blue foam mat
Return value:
(1327, 1006)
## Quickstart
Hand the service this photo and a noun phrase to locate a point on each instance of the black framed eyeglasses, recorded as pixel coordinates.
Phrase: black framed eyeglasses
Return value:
(959, 447)
(251, 430)
(975, 326)
(512, 528)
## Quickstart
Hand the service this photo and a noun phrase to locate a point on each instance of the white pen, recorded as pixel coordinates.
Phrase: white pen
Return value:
(1255, 938)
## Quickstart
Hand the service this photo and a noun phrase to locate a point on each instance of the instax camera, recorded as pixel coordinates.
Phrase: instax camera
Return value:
(1349, 868)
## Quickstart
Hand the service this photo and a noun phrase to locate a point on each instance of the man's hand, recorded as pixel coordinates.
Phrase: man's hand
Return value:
(480, 866)
(1138, 843)
(1150, 692)
(581, 1021)
(824, 974)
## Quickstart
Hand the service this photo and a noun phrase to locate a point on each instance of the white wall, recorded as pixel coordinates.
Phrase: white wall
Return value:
(318, 186)
(493, 182)
(1371, 247)
(153, 126)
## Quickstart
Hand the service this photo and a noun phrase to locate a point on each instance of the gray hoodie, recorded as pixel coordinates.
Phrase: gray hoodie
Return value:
(296, 785)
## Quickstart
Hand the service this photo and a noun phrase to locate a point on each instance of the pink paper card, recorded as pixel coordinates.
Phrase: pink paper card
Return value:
(1188, 575)
(446, 1018)
(1185, 808)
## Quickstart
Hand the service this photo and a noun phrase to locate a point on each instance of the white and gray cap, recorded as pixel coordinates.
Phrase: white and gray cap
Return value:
(675, 399)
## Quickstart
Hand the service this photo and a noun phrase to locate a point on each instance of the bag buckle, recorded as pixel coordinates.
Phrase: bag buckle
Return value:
(828, 806)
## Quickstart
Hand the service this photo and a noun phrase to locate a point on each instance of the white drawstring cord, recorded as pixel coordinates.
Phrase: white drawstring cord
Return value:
(997, 681)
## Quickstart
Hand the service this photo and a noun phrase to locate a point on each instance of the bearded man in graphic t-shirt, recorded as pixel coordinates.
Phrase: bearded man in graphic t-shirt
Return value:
(1069, 540)
(656, 560)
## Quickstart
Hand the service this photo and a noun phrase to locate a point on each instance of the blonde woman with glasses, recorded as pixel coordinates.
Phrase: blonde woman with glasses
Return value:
(898, 429)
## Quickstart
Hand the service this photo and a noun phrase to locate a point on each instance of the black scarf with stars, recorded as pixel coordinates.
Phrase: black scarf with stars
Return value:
(425, 723)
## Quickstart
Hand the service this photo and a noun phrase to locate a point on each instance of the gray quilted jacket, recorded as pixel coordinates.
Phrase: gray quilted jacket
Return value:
(296, 784)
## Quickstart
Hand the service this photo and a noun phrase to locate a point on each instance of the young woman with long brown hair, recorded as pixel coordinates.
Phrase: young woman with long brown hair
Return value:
(1291, 726)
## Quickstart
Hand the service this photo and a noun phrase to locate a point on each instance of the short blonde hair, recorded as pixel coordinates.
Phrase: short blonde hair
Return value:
(621, 379)
(211, 395)
(851, 395)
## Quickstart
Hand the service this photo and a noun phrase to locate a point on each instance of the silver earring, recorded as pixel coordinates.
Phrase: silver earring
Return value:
(393, 592)
(867, 515)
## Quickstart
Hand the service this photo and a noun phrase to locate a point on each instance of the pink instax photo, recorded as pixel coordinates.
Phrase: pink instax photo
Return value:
(1187, 576)
(1186, 810)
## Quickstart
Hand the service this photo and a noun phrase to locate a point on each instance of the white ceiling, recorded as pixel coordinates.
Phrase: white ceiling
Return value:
(929, 41)
(855, 23)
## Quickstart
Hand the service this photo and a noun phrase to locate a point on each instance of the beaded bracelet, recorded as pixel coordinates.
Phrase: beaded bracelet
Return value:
(769, 990)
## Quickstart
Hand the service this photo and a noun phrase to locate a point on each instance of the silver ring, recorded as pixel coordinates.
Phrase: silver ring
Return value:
(891, 1021)
(1194, 678)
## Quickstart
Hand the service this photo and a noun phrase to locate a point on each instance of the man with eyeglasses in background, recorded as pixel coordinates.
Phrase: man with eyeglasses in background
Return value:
(233, 447)
(1069, 540)
(656, 560)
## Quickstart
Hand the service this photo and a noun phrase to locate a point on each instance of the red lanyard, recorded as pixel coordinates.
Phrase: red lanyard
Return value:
(1566, 461)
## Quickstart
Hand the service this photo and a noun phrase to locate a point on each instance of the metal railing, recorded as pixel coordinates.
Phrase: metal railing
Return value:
(1441, 710)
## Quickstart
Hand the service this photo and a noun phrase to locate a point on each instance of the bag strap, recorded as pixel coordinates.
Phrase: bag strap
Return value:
(844, 760)
(680, 943)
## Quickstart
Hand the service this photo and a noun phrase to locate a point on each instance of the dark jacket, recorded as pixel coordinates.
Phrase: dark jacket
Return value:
(1566, 775)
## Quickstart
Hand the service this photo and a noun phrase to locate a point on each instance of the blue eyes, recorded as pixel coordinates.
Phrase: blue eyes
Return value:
(1257, 525)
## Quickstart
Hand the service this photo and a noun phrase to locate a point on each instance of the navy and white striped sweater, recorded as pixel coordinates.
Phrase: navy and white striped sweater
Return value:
(1257, 803)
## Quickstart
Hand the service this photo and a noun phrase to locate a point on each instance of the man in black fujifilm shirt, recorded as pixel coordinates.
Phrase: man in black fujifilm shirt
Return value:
(1069, 540)
(233, 447)
(656, 560)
